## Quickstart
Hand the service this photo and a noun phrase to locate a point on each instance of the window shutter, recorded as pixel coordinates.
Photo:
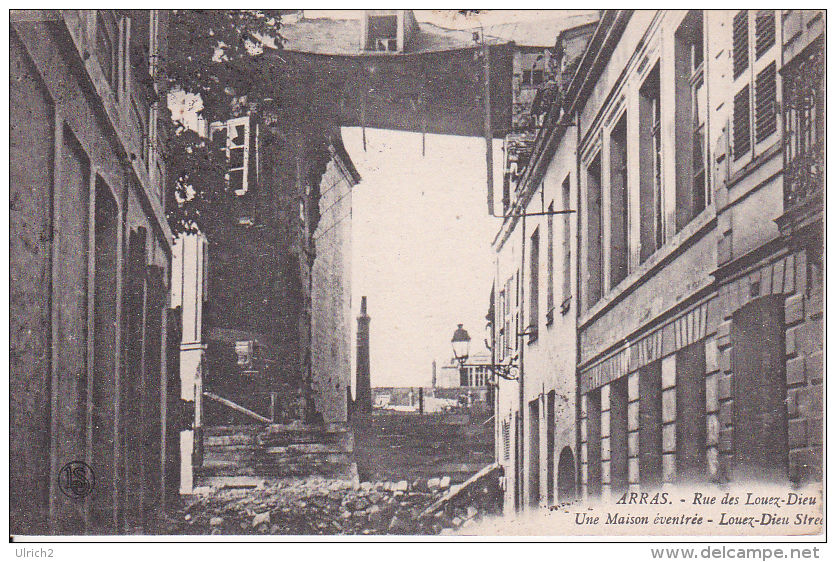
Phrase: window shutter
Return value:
(740, 42)
(764, 32)
(764, 103)
(506, 440)
(741, 138)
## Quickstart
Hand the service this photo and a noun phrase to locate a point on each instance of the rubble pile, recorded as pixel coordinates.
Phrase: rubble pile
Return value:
(317, 506)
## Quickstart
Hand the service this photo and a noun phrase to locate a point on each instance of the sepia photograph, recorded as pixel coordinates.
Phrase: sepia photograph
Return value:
(417, 274)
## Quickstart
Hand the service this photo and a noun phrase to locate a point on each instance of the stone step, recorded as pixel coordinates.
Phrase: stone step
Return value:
(286, 469)
(252, 429)
(271, 454)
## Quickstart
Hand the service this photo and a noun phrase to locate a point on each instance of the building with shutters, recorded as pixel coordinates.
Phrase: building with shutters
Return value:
(90, 265)
(533, 308)
(696, 141)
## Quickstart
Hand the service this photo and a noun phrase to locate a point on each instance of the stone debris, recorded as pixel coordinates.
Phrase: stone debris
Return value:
(318, 506)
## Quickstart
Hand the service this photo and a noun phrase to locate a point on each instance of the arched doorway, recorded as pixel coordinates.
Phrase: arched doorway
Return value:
(566, 476)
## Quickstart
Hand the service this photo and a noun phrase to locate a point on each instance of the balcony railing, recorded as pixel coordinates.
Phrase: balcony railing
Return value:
(804, 176)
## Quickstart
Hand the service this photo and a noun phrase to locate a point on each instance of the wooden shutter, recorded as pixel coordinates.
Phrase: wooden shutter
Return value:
(764, 103)
(741, 139)
(764, 32)
(740, 42)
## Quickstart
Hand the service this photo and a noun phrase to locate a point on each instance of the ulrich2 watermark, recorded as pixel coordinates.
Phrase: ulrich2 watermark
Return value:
(76, 480)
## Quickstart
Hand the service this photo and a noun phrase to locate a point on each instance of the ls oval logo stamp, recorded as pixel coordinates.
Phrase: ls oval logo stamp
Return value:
(76, 480)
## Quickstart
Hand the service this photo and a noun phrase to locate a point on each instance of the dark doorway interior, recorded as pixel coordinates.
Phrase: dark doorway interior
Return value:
(760, 414)
(534, 453)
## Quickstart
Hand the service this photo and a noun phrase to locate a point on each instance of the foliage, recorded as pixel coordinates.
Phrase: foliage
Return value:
(213, 54)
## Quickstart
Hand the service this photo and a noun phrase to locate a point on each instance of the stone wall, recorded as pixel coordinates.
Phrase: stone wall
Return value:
(331, 295)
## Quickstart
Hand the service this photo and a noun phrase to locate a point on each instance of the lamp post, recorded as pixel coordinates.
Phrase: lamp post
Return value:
(461, 352)
(461, 345)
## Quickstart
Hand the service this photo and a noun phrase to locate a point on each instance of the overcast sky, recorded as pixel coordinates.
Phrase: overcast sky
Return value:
(421, 249)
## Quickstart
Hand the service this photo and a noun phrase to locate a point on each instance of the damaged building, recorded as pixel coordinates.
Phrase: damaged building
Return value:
(266, 333)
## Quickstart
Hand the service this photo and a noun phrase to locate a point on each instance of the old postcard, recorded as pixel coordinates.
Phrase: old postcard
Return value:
(417, 273)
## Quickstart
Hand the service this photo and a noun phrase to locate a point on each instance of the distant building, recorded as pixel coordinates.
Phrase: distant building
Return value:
(90, 374)
(474, 373)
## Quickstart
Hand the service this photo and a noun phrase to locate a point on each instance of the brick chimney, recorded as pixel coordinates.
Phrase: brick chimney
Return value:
(363, 403)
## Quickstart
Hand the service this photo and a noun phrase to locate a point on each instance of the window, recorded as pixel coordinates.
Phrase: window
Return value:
(594, 230)
(619, 209)
(804, 126)
(550, 266)
(754, 54)
(105, 31)
(382, 32)
(506, 440)
(741, 139)
(692, 192)
(567, 252)
(651, 216)
(237, 132)
(534, 278)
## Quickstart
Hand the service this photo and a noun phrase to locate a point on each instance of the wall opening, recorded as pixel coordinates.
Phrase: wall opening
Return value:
(650, 424)
(534, 453)
(618, 435)
(593, 443)
(566, 476)
(690, 413)
(104, 353)
(760, 412)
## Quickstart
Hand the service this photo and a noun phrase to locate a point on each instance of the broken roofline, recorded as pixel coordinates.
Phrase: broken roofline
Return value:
(596, 55)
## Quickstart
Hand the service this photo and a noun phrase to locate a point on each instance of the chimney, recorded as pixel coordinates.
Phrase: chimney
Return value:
(364, 381)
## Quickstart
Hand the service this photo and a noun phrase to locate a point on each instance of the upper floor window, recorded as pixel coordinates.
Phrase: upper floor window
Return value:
(651, 215)
(238, 152)
(619, 208)
(106, 53)
(692, 193)
(534, 278)
(754, 54)
(594, 232)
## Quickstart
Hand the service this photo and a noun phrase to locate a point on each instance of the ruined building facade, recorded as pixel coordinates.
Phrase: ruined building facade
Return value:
(90, 264)
(691, 146)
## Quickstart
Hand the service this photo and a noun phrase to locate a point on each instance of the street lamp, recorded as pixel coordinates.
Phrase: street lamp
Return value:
(461, 345)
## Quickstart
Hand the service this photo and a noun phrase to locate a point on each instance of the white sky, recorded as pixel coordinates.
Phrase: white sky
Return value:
(421, 249)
